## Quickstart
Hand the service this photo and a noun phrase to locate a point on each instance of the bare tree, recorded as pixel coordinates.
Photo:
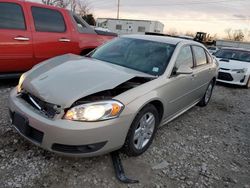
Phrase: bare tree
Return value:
(57, 3)
(238, 35)
(228, 31)
(72, 5)
(77, 6)
(190, 33)
(173, 31)
(246, 33)
(83, 7)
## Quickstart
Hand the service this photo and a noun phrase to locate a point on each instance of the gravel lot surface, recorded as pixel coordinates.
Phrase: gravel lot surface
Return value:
(205, 147)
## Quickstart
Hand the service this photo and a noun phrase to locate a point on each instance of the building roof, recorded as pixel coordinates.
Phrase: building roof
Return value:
(129, 20)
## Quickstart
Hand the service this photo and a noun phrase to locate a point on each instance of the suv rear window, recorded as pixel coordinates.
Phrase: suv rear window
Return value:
(11, 16)
(48, 20)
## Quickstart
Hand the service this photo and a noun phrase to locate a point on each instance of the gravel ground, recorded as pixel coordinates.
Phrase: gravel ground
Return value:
(205, 147)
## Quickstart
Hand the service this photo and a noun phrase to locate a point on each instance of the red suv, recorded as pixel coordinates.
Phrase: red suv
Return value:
(32, 32)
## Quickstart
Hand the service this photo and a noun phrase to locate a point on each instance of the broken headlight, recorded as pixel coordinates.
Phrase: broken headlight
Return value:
(95, 111)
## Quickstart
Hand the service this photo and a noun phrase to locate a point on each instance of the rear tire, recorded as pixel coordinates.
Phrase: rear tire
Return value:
(207, 96)
(142, 131)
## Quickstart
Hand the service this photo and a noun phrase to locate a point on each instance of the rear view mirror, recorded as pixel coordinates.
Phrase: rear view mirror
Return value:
(184, 69)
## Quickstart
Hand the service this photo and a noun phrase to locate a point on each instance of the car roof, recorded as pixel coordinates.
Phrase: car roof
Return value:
(35, 4)
(164, 39)
(233, 48)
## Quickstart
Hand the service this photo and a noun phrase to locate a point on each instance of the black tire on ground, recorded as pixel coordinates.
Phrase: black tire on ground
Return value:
(207, 96)
(130, 146)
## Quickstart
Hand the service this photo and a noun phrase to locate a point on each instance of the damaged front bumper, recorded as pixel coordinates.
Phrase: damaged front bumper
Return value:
(66, 137)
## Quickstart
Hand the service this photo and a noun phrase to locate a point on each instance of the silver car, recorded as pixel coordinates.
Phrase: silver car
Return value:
(115, 98)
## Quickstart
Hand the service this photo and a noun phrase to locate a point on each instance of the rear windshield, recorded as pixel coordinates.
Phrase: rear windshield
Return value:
(142, 55)
(239, 55)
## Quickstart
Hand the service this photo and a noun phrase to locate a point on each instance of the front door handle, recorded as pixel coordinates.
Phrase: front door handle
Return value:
(20, 38)
(64, 40)
(193, 76)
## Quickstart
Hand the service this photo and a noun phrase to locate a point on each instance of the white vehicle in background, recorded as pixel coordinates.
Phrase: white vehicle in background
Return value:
(212, 49)
(101, 29)
(234, 66)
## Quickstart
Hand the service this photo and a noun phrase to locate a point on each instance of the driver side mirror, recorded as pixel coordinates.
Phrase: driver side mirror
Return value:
(184, 69)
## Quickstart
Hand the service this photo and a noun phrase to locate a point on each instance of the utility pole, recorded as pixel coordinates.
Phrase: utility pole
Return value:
(118, 9)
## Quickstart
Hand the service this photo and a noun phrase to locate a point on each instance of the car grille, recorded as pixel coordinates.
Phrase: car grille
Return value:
(225, 76)
(48, 109)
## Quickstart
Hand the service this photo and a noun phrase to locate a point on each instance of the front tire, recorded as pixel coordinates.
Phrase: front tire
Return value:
(142, 131)
(207, 96)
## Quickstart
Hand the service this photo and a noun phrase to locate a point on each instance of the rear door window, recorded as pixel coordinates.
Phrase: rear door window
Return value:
(48, 20)
(11, 16)
(200, 55)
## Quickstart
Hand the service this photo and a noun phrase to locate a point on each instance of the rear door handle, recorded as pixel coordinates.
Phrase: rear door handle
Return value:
(64, 40)
(20, 38)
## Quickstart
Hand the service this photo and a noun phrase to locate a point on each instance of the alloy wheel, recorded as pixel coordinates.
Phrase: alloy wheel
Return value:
(144, 130)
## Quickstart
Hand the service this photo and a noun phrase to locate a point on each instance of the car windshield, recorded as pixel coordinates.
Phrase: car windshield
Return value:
(239, 55)
(142, 55)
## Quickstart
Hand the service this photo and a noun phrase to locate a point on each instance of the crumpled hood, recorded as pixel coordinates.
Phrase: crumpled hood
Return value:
(65, 79)
(233, 64)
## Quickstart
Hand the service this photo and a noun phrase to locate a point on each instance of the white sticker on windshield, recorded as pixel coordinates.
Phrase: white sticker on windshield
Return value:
(155, 69)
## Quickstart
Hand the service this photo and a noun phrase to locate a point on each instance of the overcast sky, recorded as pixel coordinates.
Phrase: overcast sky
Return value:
(211, 16)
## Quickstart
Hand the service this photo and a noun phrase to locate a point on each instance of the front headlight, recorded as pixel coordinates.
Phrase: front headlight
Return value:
(95, 111)
(20, 83)
(240, 70)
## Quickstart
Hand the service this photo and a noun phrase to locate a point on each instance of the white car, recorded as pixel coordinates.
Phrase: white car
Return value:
(234, 66)
(212, 49)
